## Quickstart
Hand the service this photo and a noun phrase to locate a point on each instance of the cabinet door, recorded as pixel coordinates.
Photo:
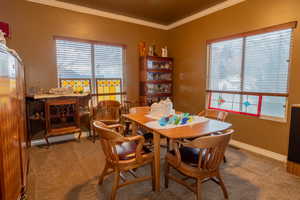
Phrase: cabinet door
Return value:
(11, 183)
(22, 119)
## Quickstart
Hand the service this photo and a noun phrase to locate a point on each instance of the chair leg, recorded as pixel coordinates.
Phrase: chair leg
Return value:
(168, 144)
(222, 186)
(94, 135)
(167, 171)
(106, 167)
(199, 190)
(153, 175)
(47, 141)
(115, 185)
(79, 136)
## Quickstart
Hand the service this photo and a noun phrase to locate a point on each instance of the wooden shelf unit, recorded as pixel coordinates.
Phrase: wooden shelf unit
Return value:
(156, 79)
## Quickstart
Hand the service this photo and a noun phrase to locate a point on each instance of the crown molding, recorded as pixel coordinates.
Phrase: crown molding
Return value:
(82, 9)
(205, 12)
(91, 11)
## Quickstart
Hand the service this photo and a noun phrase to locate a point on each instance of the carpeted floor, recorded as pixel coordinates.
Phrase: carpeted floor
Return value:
(69, 171)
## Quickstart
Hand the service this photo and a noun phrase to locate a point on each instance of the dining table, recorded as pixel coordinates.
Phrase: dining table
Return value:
(140, 118)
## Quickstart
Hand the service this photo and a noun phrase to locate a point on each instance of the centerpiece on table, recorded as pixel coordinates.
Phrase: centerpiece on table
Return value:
(162, 109)
(176, 119)
(165, 116)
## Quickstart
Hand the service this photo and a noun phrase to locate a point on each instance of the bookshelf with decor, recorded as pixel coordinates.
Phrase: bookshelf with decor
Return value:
(156, 81)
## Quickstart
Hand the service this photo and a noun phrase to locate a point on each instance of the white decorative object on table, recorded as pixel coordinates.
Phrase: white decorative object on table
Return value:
(162, 109)
(61, 91)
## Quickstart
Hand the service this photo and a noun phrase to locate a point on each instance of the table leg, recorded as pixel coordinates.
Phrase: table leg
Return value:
(156, 140)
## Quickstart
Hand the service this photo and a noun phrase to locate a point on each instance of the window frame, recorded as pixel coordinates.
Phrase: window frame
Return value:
(290, 25)
(93, 79)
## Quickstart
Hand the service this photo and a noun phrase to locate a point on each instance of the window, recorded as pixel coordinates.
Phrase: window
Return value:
(90, 67)
(248, 74)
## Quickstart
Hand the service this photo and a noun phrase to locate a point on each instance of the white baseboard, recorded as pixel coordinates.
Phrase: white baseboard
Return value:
(258, 150)
(58, 139)
(235, 143)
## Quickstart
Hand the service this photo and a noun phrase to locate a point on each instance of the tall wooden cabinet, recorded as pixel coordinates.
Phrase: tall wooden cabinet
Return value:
(156, 81)
(13, 137)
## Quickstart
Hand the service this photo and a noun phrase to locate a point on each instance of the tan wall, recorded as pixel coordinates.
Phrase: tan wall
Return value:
(33, 27)
(187, 44)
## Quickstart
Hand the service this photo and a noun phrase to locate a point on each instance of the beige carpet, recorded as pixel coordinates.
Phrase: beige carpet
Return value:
(69, 171)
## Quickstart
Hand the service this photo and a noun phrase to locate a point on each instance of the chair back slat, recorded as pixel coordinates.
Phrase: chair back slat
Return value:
(214, 114)
(212, 149)
(126, 106)
(143, 109)
(107, 110)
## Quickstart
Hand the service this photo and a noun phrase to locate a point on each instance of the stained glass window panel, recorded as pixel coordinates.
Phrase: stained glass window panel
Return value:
(106, 86)
(247, 104)
(250, 104)
(77, 85)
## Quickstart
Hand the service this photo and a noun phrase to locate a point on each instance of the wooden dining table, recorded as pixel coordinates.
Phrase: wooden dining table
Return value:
(139, 119)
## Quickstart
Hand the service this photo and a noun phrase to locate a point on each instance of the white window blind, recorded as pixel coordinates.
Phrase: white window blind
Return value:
(267, 62)
(108, 61)
(74, 59)
(264, 68)
(249, 75)
(225, 65)
(82, 65)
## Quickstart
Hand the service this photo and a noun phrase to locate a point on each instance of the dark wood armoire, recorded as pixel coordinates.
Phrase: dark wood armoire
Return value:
(13, 134)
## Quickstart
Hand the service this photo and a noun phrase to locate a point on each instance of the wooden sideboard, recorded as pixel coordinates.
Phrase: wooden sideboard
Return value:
(62, 117)
(13, 136)
(54, 115)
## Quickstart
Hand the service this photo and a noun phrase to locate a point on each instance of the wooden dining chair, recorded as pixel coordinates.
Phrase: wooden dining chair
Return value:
(217, 115)
(140, 130)
(86, 113)
(126, 108)
(108, 112)
(122, 154)
(214, 114)
(146, 134)
(202, 163)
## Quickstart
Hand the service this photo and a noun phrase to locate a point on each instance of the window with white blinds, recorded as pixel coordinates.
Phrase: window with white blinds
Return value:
(108, 61)
(80, 62)
(249, 74)
(74, 59)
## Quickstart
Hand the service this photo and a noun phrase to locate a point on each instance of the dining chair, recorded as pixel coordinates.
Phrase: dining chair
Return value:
(125, 109)
(108, 112)
(122, 154)
(217, 115)
(146, 134)
(140, 130)
(86, 113)
(202, 163)
(214, 114)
